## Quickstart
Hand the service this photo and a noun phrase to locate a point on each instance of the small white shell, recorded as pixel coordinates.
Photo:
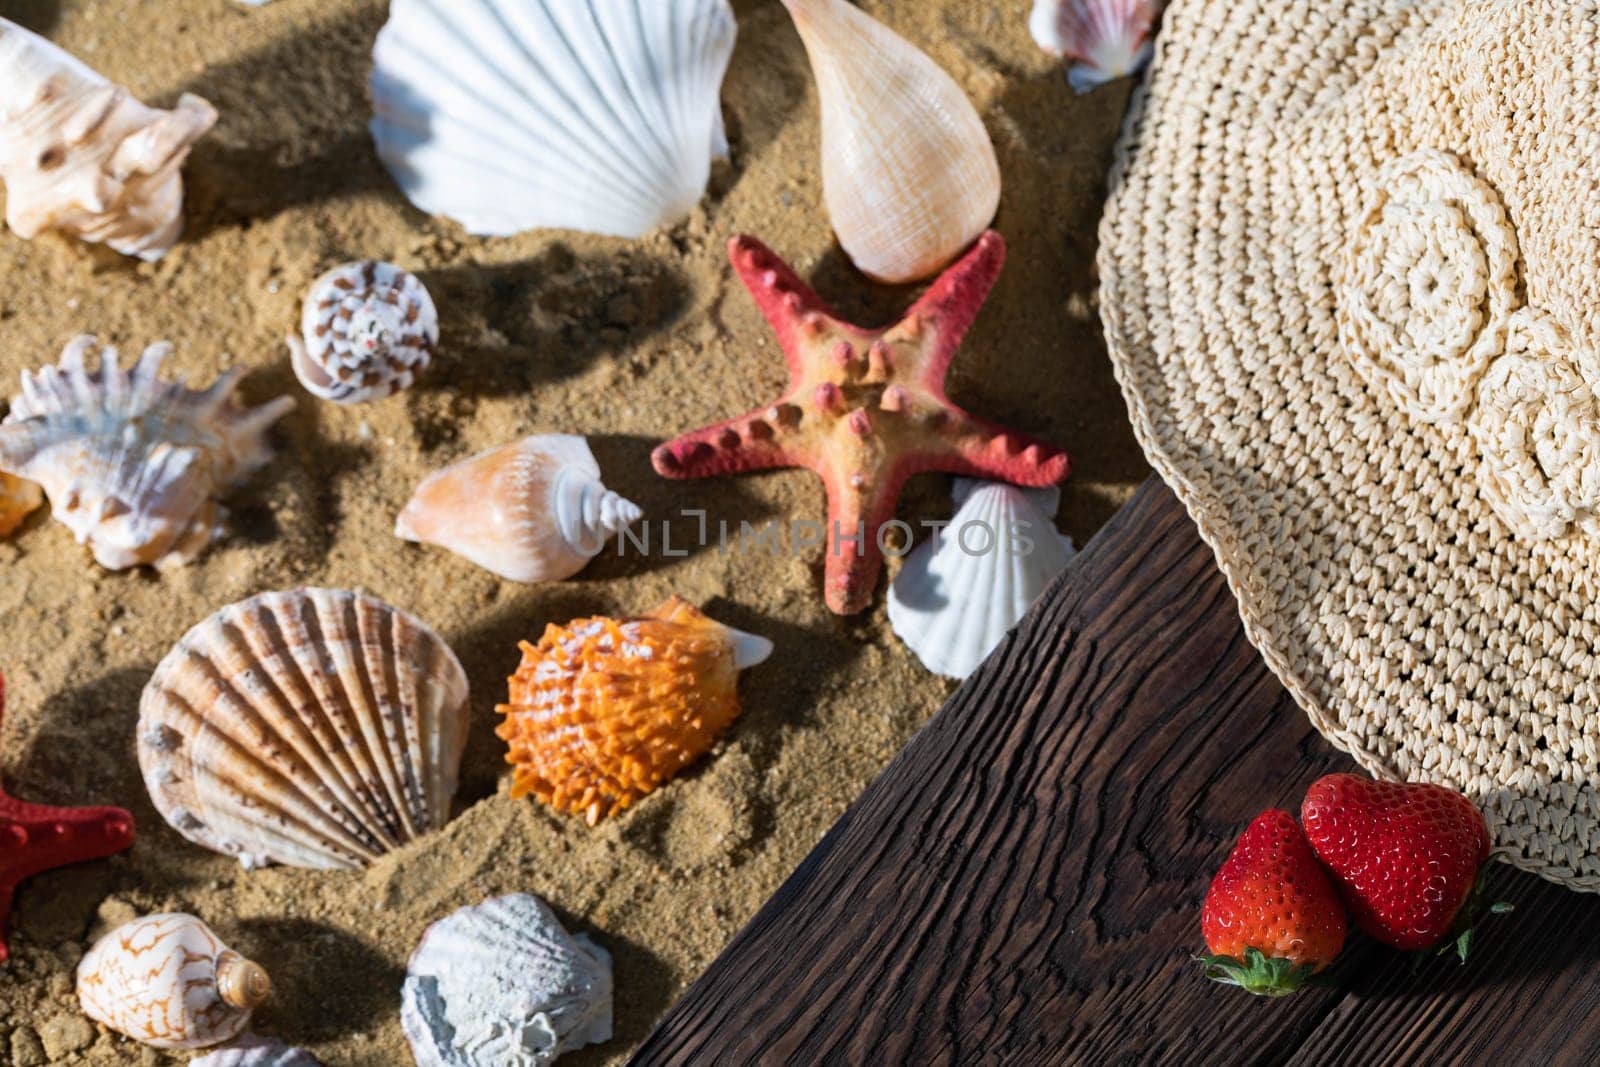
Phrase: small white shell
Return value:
(502, 984)
(252, 1051)
(368, 329)
(597, 115)
(532, 511)
(132, 465)
(908, 171)
(316, 728)
(1106, 39)
(957, 596)
(81, 155)
(167, 980)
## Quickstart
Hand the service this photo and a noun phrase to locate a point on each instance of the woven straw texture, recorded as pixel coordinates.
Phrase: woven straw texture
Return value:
(1351, 285)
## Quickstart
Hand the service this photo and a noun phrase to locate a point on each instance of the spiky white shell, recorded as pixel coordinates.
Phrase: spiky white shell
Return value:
(133, 465)
(253, 1051)
(81, 155)
(531, 511)
(1106, 39)
(597, 115)
(908, 171)
(367, 330)
(168, 981)
(503, 984)
(957, 596)
(316, 728)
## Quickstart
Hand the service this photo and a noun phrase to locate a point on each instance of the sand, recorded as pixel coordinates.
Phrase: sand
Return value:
(626, 341)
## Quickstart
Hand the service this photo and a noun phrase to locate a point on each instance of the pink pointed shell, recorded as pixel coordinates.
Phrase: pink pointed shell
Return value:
(367, 330)
(169, 982)
(1106, 39)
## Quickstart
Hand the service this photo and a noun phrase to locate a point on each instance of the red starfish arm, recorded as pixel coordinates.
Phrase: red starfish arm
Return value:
(979, 449)
(751, 442)
(786, 302)
(953, 301)
(854, 559)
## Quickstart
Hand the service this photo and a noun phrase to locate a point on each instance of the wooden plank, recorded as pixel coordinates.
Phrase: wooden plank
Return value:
(1023, 883)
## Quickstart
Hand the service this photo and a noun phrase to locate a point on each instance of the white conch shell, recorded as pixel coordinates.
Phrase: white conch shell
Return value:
(597, 115)
(367, 330)
(532, 511)
(1106, 39)
(908, 171)
(253, 1051)
(133, 465)
(316, 728)
(81, 155)
(502, 984)
(957, 596)
(167, 981)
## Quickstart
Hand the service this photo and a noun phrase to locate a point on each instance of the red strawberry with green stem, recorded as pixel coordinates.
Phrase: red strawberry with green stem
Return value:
(1271, 919)
(1408, 858)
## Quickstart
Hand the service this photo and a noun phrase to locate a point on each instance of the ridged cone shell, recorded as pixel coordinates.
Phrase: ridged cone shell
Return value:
(503, 982)
(315, 728)
(168, 981)
(909, 173)
(955, 599)
(507, 115)
(532, 511)
(603, 711)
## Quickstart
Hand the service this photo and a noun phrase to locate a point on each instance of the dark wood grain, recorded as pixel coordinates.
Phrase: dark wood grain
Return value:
(1023, 883)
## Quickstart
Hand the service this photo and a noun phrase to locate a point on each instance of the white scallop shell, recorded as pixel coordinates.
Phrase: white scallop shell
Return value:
(502, 984)
(908, 171)
(1106, 39)
(252, 1051)
(367, 330)
(316, 728)
(133, 465)
(597, 115)
(81, 155)
(531, 511)
(169, 982)
(957, 596)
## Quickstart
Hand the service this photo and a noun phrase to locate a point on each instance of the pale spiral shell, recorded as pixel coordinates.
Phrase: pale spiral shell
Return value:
(252, 1051)
(1537, 425)
(1430, 284)
(367, 330)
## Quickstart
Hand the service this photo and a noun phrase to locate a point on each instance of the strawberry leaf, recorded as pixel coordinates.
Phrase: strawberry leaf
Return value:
(1258, 973)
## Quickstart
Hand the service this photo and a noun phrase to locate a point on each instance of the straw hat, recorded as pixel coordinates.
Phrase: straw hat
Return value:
(1351, 272)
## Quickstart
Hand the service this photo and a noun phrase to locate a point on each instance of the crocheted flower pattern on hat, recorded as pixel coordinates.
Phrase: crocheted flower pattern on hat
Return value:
(1538, 425)
(1429, 285)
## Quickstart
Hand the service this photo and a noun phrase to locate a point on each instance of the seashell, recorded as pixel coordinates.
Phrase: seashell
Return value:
(132, 465)
(957, 595)
(597, 115)
(168, 981)
(1106, 39)
(367, 330)
(502, 984)
(533, 511)
(908, 171)
(19, 498)
(316, 728)
(603, 711)
(253, 1051)
(81, 155)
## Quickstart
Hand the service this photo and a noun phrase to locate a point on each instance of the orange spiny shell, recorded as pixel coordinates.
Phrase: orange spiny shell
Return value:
(603, 711)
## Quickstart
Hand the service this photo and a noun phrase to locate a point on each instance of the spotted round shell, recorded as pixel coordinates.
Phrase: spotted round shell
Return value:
(368, 329)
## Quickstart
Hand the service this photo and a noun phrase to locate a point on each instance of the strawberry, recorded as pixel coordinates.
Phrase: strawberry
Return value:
(1272, 918)
(1407, 857)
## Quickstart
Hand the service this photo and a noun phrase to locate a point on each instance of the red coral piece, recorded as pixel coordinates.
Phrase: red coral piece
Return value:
(36, 838)
(865, 409)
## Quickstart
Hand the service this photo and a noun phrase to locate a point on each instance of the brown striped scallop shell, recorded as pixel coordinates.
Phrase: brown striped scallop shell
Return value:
(314, 728)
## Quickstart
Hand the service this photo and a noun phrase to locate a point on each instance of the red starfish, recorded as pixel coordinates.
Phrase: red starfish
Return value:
(35, 838)
(865, 409)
